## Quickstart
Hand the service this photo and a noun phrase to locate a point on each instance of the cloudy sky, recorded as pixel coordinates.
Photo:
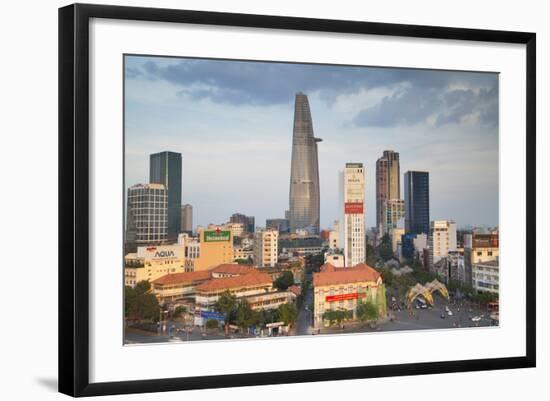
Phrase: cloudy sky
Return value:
(232, 122)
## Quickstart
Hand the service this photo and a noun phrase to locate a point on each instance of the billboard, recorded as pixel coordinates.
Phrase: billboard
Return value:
(217, 235)
(344, 297)
(161, 252)
(353, 208)
(212, 315)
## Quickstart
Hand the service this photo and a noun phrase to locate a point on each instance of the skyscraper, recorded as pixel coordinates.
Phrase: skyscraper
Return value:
(387, 185)
(417, 202)
(304, 173)
(165, 168)
(146, 215)
(353, 186)
(186, 218)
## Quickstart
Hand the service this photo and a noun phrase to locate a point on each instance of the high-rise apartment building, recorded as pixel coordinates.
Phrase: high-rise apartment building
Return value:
(304, 198)
(353, 186)
(165, 168)
(187, 218)
(387, 184)
(266, 248)
(417, 202)
(394, 211)
(442, 240)
(146, 222)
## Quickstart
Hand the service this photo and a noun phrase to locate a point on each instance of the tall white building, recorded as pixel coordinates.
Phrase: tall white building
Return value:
(353, 193)
(442, 239)
(266, 248)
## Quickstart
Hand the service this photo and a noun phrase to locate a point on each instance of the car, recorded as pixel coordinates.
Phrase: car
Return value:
(450, 313)
(476, 318)
(442, 316)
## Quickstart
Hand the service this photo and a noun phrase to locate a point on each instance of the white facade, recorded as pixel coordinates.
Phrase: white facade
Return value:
(485, 276)
(420, 242)
(266, 248)
(237, 229)
(147, 208)
(442, 239)
(353, 193)
(334, 236)
(335, 259)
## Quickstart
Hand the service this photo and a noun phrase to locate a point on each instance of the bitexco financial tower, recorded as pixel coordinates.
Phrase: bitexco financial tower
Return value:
(304, 173)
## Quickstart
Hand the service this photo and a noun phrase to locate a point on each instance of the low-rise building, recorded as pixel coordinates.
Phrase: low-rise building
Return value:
(246, 285)
(232, 270)
(152, 262)
(343, 288)
(172, 287)
(335, 259)
(485, 276)
(300, 245)
(243, 253)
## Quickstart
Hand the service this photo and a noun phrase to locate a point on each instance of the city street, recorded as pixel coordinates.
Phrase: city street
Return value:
(421, 319)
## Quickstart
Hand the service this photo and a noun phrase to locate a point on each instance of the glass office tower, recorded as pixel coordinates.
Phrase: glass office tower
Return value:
(165, 168)
(417, 202)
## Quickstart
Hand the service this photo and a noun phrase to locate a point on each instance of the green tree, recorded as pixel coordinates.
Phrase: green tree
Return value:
(337, 316)
(285, 280)
(212, 324)
(247, 261)
(288, 313)
(226, 304)
(180, 310)
(245, 316)
(384, 249)
(367, 311)
(140, 302)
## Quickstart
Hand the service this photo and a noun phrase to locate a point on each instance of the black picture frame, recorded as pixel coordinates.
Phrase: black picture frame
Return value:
(74, 198)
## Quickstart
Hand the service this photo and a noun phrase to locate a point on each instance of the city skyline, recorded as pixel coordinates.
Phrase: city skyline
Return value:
(358, 120)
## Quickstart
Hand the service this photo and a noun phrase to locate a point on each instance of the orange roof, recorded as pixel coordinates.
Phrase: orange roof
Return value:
(234, 268)
(330, 275)
(246, 280)
(183, 278)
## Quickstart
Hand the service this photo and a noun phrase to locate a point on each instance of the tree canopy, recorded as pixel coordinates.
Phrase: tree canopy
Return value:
(140, 302)
(285, 280)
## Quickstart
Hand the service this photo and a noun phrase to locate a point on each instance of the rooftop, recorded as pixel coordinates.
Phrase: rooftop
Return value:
(234, 268)
(330, 274)
(246, 280)
(183, 278)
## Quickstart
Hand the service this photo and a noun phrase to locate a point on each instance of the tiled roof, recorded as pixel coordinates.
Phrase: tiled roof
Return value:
(295, 289)
(234, 268)
(330, 275)
(246, 280)
(183, 278)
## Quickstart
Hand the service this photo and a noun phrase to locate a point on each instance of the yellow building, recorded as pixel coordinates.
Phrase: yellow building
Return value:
(342, 288)
(172, 287)
(152, 262)
(256, 288)
(215, 247)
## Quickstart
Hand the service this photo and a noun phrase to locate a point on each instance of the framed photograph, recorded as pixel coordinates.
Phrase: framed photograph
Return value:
(251, 199)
